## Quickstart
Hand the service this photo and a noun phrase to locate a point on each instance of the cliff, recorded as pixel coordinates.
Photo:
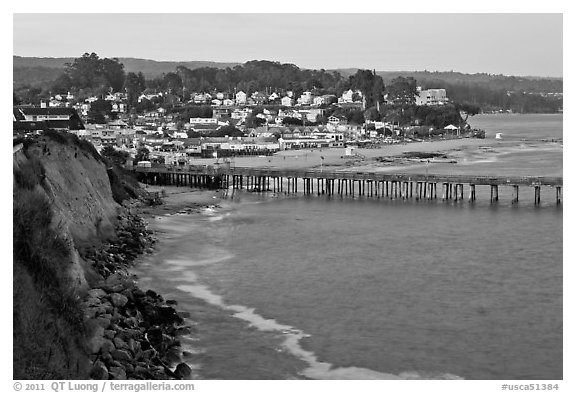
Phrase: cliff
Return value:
(78, 314)
(62, 202)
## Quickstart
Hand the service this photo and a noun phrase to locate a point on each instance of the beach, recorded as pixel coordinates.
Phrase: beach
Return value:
(336, 158)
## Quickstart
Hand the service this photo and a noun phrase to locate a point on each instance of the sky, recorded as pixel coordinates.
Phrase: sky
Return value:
(509, 44)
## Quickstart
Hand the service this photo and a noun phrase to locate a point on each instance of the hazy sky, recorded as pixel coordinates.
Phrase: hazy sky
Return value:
(510, 44)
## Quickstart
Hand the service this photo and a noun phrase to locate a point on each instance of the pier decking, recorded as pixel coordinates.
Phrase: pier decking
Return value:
(345, 183)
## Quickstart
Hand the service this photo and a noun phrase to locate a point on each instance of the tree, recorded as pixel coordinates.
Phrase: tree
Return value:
(134, 85)
(84, 71)
(227, 131)
(370, 84)
(172, 82)
(113, 73)
(193, 134)
(99, 111)
(254, 121)
(89, 71)
(291, 121)
(142, 154)
(62, 84)
(468, 109)
(118, 157)
(402, 91)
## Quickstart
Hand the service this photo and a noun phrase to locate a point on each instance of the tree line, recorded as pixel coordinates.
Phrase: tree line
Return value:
(91, 75)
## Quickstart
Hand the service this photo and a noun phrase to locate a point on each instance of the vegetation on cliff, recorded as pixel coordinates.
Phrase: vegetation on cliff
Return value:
(48, 319)
(77, 312)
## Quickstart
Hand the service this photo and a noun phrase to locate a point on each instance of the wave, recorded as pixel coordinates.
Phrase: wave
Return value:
(293, 336)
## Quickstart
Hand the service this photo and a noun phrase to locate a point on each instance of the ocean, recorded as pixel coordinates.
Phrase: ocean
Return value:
(283, 287)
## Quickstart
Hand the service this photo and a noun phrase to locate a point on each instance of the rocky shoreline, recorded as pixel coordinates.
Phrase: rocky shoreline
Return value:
(133, 334)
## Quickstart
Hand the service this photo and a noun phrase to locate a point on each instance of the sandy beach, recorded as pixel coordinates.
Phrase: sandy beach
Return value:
(335, 158)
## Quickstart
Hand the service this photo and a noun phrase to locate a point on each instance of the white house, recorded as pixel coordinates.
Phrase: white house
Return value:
(305, 98)
(240, 98)
(347, 97)
(286, 101)
(431, 97)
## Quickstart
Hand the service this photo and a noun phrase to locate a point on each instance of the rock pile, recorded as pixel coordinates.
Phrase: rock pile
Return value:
(133, 334)
(132, 239)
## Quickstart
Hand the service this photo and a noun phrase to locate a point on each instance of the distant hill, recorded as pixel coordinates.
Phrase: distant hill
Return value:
(39, 70)
(443, 79)
(150, 68)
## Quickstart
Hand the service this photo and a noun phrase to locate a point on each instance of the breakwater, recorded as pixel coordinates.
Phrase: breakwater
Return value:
(347, 183)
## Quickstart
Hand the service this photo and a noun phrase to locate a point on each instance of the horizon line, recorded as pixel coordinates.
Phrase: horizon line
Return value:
(308, 68)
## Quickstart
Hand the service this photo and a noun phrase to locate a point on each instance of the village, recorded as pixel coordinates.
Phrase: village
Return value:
(241, 124)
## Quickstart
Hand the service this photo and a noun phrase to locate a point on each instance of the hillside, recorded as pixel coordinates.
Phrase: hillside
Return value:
(41, 70)
(25, 67)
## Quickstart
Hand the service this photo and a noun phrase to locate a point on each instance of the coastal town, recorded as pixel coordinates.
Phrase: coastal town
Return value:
(239, 124)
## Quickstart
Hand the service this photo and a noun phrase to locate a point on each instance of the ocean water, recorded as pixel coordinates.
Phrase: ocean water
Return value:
(338, 288)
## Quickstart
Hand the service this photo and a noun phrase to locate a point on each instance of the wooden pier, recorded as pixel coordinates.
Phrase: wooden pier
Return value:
(345, 183)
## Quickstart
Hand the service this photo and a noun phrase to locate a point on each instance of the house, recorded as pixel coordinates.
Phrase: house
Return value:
(431, 96)
(334, 120)
(202, 98)
(228, 102)
(241, 98)
(221, 112)
(31, 119)
(305, 98)
(117, 124)
(286, 101)
(347, 97)
(241, 114)
(119, 107)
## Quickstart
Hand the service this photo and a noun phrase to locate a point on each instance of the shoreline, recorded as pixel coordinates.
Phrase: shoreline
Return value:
(456, 154)
(204, 310)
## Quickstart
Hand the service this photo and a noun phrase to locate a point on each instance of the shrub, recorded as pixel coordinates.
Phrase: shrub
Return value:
(57, 136)
(90, 149)
(30, 174)
(44, 254)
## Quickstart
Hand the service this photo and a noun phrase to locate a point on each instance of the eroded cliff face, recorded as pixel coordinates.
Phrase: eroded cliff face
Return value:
(62, 203)
(78, 186)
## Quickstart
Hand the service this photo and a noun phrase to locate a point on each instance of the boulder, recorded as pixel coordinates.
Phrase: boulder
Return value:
(118, 300)
(117, 373)
(121, 355)
(99, 371)
(183, 331)
(120, 344)
(96, 293)
(138, 292)
(167, 314)
(172, 355)
(109, 334)
(183, 371)
(103, 321)
(107, 346)
(95, 343)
